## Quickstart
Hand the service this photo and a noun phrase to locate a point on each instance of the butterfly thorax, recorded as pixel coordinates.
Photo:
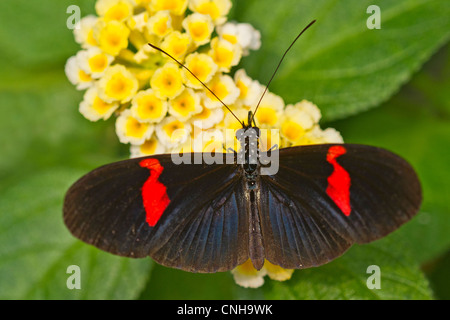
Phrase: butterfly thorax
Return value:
(248, 153)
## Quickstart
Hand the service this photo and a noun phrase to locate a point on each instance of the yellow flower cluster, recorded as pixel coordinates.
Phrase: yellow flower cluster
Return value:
(159, 106)
(152, 96)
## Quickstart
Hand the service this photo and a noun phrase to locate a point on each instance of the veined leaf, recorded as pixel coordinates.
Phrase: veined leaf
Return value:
(37, 249)
(340, 64)
(34, 34)
(348, 276)
(416, 125)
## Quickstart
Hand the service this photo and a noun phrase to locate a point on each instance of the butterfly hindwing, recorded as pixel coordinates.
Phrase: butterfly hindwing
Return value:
(203, 225)
(324, 198)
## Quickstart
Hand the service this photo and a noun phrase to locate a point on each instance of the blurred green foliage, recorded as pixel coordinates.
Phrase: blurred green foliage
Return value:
(339, 64)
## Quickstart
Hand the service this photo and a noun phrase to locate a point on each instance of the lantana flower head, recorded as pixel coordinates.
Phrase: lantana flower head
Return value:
(159, 107)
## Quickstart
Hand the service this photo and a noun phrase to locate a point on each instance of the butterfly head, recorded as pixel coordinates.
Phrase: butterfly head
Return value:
(248, 129)
(249, 133)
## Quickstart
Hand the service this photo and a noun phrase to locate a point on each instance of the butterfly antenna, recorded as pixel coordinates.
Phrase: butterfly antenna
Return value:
(182, 65)
(279, 63)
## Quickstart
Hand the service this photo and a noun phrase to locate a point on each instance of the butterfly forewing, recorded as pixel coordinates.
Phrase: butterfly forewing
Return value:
(203, 226)
(324, 198)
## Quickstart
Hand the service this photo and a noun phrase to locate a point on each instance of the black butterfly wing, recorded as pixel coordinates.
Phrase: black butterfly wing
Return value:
(203, 223)
(324, 198)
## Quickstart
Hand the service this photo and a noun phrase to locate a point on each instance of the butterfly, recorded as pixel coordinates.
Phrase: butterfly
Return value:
(203, 216)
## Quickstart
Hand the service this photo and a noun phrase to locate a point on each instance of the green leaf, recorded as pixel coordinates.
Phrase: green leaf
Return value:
(347, 277)
(41, 127)
(416, 125)
(40, 124)
(339, 64)
(34, 34)
(165, 285)
(439, 277)
(37, 248)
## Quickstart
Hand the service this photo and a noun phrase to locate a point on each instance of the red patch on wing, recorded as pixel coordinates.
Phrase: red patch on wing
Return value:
(339, 181)
(154, 195)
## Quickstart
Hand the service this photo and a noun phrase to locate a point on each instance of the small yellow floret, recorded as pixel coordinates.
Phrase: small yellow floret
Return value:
(295, 123)
(172, 132)
(84, 31)
(185, 105)
(112, 37)
(118, 10)
(147, 107)
(216, 9)
(250, 90)
(176, 44)
(94, 108)
(172, 127)
(292, 131)
(269, 111)
(118, 84)
(98, 63)
(202, 66)
(160, 24)
(225, 54)
(224, 88)
(149, 146)
(177, 7)
(167, 81)
(94, 62)
(76, 75)
(276, 272)
(208, 118)
(134, 128)
(84, 77)
(131, 130)
(199, 27)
